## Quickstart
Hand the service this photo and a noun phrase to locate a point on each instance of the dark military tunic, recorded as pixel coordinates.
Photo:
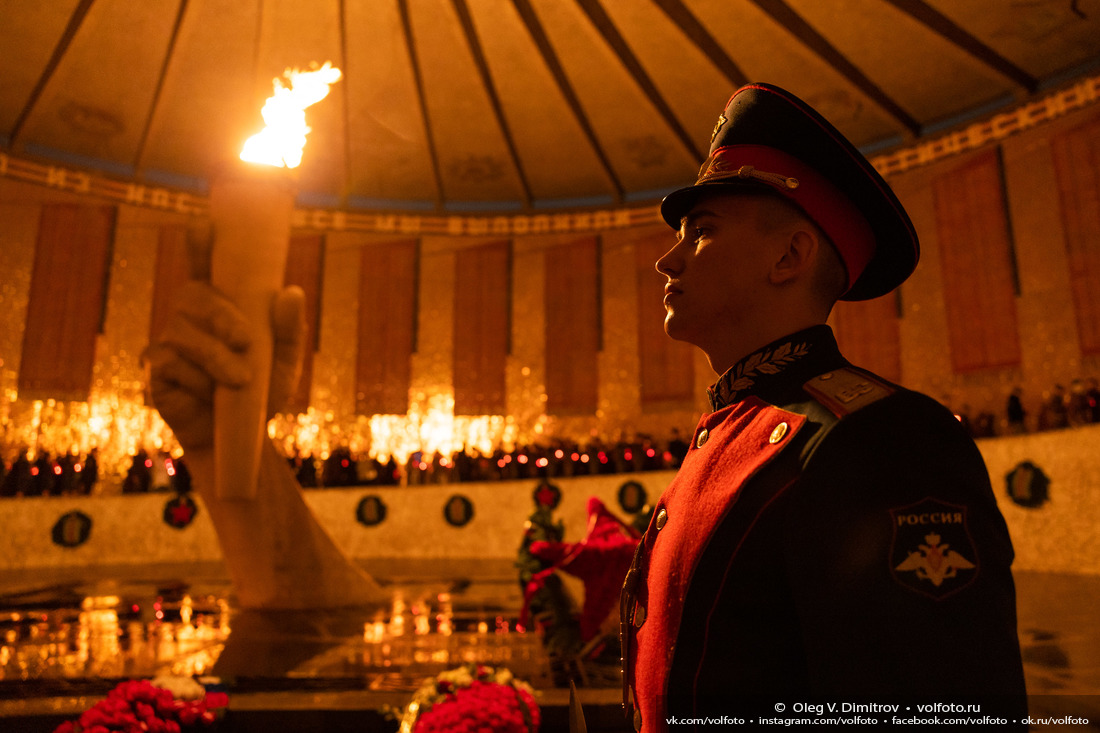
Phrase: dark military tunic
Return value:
(830, 537)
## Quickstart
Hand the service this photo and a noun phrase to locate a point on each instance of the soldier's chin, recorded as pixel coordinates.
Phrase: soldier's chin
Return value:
(675, 327)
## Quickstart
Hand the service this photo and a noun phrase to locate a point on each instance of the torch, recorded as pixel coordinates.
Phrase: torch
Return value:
(251, 203)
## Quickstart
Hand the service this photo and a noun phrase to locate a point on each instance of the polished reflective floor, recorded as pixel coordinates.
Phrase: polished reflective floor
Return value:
(65, 640)
(68, 635)
(1059, 623)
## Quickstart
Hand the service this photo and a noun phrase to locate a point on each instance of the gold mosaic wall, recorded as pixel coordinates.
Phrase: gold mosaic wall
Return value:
(331, 419)
(525, 373)
(17, 237)
(1050, 351)
(114, 419)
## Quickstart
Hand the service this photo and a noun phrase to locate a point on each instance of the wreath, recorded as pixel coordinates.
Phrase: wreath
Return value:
(180, 511)
(472, 699)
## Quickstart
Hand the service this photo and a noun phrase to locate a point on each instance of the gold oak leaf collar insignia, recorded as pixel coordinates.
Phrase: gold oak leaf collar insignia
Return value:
(742, 376)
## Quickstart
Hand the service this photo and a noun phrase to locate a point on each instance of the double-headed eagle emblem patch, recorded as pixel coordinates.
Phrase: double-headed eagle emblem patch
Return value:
(932, 552)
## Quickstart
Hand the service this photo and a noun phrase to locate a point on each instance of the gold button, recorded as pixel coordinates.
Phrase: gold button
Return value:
(778, 434)
(702, 439)
(637, 719)
(826, 376)
(662, 519)
(639, 615)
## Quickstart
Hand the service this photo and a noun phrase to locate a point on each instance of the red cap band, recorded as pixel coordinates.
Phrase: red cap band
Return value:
(823, 202)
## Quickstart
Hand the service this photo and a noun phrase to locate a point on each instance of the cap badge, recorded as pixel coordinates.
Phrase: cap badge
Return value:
(722, 119)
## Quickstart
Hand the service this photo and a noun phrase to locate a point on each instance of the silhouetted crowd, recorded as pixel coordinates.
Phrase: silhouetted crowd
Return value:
(46, 475)
(72, 475)
(1061, 408)
(1079, 405)
(157, 472)
(554, 460)
(69, 474)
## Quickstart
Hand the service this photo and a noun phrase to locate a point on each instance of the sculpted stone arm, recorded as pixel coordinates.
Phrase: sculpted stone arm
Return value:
(276, 552)
(205, 345)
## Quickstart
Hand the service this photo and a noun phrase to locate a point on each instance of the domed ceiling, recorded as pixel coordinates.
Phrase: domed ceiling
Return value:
(505, 105)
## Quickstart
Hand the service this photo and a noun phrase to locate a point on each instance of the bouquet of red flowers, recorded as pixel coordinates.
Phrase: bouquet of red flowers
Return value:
(140, 706)
(472, 699)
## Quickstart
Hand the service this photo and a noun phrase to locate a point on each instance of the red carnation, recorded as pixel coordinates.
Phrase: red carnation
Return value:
(140, 707)
(478, 699)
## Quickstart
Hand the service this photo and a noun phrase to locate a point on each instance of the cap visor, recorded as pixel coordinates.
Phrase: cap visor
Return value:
(676, 205)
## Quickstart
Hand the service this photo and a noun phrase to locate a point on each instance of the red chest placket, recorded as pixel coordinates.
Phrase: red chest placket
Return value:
(728, 448)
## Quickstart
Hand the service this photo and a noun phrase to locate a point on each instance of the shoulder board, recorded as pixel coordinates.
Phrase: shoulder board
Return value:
(845, 390)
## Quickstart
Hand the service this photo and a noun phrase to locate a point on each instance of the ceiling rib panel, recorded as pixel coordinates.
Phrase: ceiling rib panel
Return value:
(35, 38)
(505, 105)
(392, 156)
(642, 150)
(958, 74)
(602, 22)
(553, 62)
(486, 78)
(536, 110)
(678, 69)
(769, 51)
(1042, 37)
(97, 99)
(475, 163)
(210, 98)
(155, 102)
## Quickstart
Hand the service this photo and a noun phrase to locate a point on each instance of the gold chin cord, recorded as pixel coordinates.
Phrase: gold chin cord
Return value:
(776, 179)
(715, 169)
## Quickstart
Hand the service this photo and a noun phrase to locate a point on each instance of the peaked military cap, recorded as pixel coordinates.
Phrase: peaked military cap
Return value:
(769, 139)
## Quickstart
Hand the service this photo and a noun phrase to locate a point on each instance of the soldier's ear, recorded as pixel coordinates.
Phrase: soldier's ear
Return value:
(797, 257)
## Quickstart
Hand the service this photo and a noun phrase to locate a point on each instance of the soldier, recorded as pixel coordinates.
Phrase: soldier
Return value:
(831, 536)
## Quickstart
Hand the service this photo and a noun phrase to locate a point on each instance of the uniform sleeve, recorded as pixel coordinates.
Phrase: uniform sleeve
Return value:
(899, 561)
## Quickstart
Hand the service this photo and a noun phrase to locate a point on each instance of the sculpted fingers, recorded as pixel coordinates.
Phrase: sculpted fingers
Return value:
(183, 394)
(208, 310)
(171, 373)
(225, 363)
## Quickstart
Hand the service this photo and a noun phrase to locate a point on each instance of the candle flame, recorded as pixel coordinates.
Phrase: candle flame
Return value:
(281, 141)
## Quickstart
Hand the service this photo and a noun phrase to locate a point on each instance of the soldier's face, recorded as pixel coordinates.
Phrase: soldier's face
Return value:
(717, 269)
